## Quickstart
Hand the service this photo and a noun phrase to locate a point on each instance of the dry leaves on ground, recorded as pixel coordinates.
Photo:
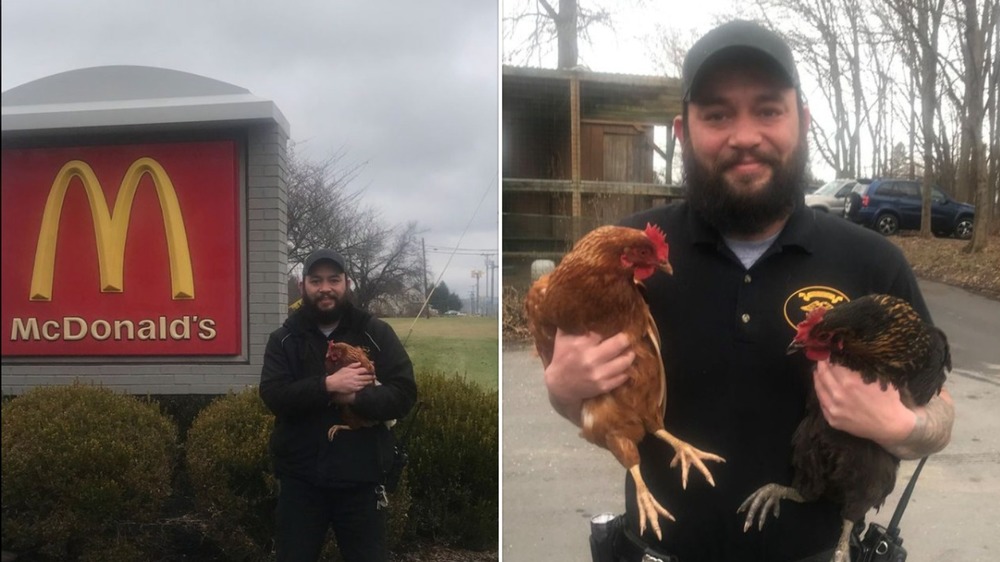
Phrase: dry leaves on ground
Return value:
(947, 261)
(445, 554)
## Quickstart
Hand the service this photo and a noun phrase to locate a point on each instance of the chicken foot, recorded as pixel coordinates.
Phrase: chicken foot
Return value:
(334, 429)
(649, 508)
(843, 551)
(686, 455)
(767, 499)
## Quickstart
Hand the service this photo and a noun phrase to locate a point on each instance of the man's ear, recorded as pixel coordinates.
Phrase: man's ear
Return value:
(679, 128)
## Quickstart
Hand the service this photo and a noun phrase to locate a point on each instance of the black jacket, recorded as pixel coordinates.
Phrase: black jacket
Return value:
(292, 386)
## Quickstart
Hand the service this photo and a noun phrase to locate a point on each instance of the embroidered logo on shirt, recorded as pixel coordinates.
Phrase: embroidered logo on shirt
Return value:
(802, 301)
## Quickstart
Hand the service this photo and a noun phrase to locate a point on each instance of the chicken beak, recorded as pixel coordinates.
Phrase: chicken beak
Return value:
(794, 347)
(666, 267)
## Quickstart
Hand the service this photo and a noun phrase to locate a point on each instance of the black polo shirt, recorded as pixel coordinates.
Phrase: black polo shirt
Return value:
(731, 387)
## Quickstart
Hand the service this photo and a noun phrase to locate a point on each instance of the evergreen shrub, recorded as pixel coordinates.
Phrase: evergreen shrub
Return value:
(453, 468)
(85, 472)
(228, 467)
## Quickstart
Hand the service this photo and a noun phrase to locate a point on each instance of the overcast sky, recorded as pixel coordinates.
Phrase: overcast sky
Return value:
(408, 87)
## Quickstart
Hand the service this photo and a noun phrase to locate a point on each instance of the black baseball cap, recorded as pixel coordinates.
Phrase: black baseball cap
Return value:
(735, 37)
(323, 254)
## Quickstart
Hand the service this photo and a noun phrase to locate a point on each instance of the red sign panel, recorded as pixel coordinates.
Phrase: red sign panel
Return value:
(129, 250)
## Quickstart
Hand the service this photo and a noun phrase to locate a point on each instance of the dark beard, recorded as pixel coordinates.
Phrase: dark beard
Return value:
(323, 317)
(738, 214)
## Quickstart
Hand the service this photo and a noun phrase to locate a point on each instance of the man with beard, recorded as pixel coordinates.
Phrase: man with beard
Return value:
(749, 261)
(338, 482)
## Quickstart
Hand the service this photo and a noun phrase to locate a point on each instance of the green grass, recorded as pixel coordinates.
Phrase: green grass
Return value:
(462, 345)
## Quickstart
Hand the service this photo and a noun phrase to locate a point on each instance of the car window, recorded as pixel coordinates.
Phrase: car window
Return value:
(908, 189)
(843, 191)
(829, 188)
(937, 196)
(887, 189)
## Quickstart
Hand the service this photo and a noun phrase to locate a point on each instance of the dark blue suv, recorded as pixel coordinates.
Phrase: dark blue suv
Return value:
(888, 205)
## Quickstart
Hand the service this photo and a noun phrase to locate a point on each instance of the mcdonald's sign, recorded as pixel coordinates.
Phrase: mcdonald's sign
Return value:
(123, 250)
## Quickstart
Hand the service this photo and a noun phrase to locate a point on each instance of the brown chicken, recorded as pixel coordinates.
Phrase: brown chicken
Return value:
(597, 288)
(339, 355)
(884, 339)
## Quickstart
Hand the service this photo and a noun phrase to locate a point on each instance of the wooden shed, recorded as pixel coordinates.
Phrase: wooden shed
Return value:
(579, 152)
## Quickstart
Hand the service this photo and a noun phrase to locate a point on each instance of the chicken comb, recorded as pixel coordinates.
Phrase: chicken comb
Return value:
(654, 233)
(804, 328)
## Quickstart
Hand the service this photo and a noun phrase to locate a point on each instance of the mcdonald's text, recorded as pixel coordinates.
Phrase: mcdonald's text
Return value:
(74, 328)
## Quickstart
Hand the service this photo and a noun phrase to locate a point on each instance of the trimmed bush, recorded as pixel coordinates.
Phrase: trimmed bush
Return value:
(83, 470)
(454, 462)
(228, 465)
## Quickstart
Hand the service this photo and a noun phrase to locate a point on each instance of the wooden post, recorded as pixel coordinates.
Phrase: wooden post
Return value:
(574, 141)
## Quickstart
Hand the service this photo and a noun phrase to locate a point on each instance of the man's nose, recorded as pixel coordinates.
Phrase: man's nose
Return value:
(744, 134)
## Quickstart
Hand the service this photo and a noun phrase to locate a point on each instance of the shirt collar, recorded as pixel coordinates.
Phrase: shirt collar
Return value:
(798, 231)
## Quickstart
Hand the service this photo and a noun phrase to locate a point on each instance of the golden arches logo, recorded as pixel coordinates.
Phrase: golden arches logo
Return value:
(111, 228)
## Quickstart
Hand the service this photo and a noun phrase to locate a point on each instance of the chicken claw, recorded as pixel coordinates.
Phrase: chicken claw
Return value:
(649, 508)
(686, 455)
(767, 499)
(333, 431)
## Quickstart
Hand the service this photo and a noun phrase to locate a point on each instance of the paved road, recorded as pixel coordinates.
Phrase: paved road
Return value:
(553, 481)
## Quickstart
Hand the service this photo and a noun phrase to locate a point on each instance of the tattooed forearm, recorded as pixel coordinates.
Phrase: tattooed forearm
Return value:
(932, 430)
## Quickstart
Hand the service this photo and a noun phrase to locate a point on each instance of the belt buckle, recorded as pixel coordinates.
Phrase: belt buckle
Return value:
(647, 557)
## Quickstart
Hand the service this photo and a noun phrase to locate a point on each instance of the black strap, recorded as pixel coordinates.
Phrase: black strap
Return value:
(893, 529)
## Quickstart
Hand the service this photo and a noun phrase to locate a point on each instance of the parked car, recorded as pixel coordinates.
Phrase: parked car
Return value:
(888, 205)
(832, 196)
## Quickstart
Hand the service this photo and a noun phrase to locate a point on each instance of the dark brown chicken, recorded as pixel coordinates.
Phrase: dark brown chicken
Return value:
(884, 339)
(597, 288)
(339, 355)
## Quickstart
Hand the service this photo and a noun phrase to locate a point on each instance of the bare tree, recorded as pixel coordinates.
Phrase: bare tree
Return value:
(545, 25)
(324, 211)
(993, 101)
(384, 260)
(977, 31)
(321, 203)
(920, 22)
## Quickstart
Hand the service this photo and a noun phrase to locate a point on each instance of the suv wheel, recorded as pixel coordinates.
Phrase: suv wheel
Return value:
(887, 224)
(963, 229)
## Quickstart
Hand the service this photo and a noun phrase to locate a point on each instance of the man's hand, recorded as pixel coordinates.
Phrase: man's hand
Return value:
(583, 367)
(349, 379)
(867, 411)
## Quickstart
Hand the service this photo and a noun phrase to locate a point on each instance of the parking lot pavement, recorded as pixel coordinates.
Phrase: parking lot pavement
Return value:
(554, 481)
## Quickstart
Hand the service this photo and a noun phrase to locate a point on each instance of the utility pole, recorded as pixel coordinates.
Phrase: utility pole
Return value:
(477, 274)
(423, 251)
(423, 297)
(494, 302)
(489, 297)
